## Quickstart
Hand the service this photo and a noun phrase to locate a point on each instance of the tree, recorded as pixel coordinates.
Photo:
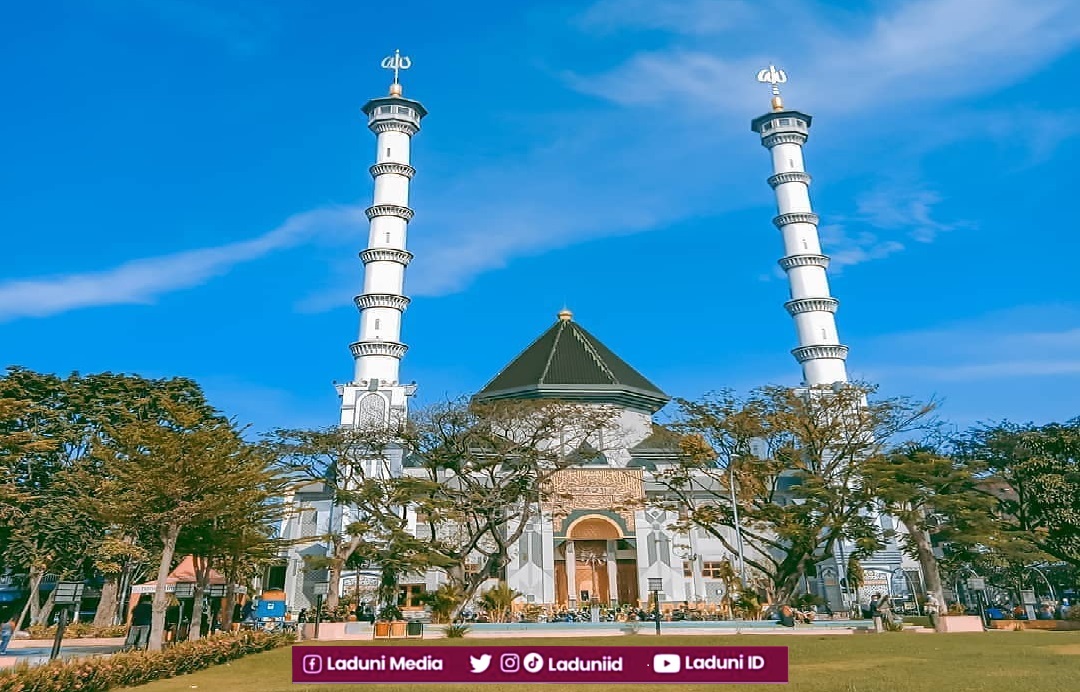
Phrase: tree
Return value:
(935, 498)
(795, 457)
(1032, 473)
(354, 465)
(475, 475)
(175, 473)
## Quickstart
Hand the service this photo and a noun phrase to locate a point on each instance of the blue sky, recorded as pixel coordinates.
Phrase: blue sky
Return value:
(184, 180)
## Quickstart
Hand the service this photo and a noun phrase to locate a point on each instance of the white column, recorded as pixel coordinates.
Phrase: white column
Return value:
(379, 349)
(612, 567)
(571, 573)
(812, 308)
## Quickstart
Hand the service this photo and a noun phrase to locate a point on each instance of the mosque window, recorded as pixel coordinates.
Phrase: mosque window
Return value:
(823, 334)
(388, 237)
(713, 570)
(687, 569)
(387, 151)
(377, 326)
(804, 245)
(801, 123)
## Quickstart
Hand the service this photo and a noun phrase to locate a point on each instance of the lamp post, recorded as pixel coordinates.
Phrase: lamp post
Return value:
(738, 526)
(656, 585)
(66, 594)
(321, 589)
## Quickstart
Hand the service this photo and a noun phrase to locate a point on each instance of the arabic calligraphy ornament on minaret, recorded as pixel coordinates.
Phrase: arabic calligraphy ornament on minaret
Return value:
(775, 78)
(396, 62)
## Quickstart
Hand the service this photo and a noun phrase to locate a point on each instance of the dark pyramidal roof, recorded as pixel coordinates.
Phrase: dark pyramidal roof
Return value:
(567, 362)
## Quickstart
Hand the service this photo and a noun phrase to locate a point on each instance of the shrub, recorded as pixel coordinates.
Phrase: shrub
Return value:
(77, 630)
(137, 667)
(452, 632)
(1074, 613)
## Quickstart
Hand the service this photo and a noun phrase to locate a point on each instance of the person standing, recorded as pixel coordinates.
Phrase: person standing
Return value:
(141, 617)
(7, 631)
(875, 601)
(933, 611)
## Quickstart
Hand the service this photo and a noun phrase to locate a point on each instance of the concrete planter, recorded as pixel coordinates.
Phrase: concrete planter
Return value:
(961, 623)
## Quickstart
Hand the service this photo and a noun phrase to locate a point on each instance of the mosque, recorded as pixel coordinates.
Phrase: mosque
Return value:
(607, 543)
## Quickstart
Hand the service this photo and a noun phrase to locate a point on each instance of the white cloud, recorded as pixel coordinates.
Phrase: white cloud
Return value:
(920, 51)
(141, 281)
(1040, 341)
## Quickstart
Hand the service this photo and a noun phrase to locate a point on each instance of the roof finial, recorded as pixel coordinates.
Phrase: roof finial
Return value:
(565, 315)
(396, 62)
(774, 77)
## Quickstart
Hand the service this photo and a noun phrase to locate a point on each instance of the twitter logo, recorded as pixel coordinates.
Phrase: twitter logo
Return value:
(479, 665)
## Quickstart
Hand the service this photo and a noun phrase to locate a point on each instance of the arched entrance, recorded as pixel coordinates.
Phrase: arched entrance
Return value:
(591, 569)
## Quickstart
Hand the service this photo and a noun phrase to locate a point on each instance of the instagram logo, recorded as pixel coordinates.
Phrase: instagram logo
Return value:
(312, 664)
(509, 663)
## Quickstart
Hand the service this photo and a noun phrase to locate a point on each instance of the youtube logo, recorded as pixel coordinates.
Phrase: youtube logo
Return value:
(666, 663)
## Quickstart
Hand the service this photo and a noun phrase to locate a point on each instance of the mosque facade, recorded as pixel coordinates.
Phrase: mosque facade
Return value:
(607, 537)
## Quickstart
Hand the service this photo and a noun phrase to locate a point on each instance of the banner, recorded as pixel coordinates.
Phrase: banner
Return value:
(568, 665)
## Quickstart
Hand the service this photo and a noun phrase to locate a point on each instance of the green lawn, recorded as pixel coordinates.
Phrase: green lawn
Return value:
(890, 662)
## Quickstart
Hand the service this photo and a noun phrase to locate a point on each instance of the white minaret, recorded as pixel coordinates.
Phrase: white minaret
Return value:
(375, 395)
(784, 132)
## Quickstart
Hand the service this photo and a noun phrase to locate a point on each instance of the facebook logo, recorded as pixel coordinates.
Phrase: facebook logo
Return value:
(312, 664)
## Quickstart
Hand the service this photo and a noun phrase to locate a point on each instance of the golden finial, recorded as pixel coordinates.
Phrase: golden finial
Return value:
(565, 315)
(396, 62)
(774, 77)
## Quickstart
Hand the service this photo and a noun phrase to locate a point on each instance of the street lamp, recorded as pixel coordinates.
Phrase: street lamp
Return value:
(738, 525)
(321, 589)
(656, 585)
(65, 593)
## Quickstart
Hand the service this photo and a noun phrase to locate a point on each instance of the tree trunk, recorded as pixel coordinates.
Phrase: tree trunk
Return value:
(106, 610)
(927, 562)
(231, 575)
(46, 610)
(169, 535)
(33, 598)
(202, 576)
(333, 592)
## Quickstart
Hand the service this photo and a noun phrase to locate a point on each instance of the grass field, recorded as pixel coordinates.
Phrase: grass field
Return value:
(891, 662)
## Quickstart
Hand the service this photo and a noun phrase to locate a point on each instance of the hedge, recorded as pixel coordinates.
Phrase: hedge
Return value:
(78, 630)
(137, 667)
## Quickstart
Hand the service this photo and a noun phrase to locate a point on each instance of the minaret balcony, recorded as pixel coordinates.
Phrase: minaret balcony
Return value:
(381, 126)
(386, 254)
(792, 261)
(790, 177)
(800, 305)
(790, 218)
(381, 300)
(805, 353)
(389, 210)
(378, 348)
(392, 167)
(772, 140)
